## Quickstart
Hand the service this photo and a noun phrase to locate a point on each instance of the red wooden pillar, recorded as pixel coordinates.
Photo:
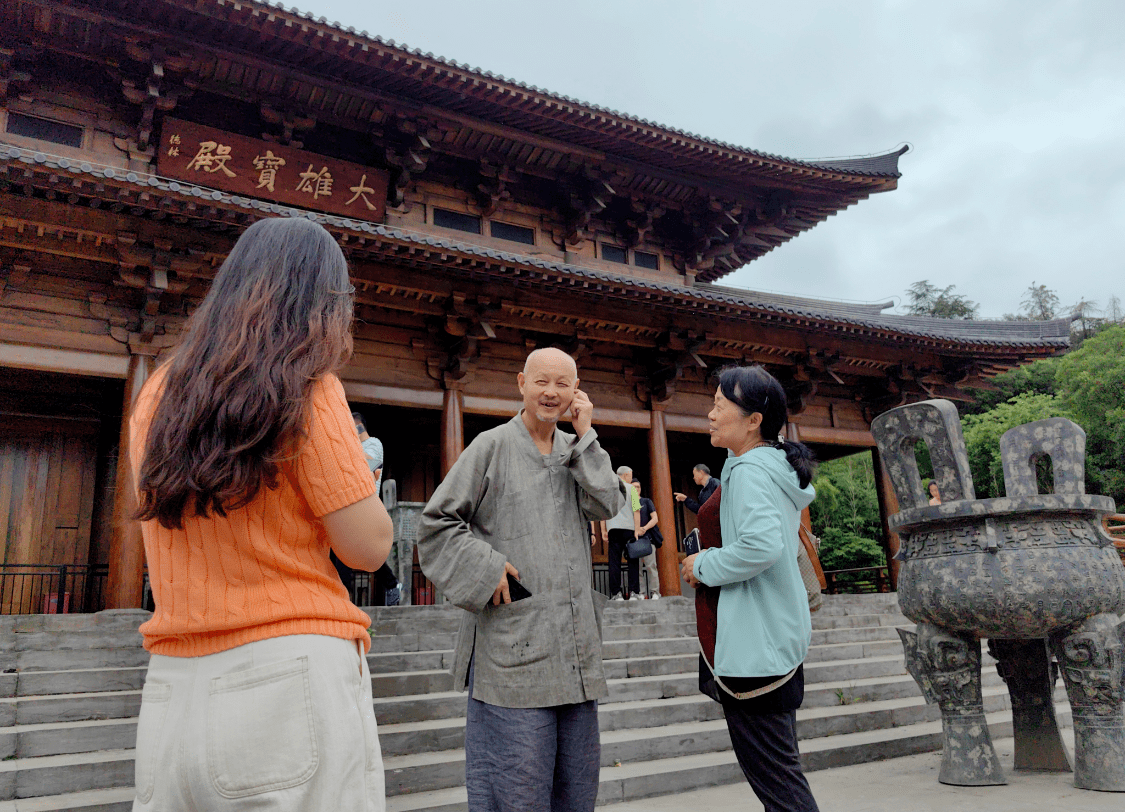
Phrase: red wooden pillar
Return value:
(452, 428)
(667, 557)
(888, 506)
(125, 587)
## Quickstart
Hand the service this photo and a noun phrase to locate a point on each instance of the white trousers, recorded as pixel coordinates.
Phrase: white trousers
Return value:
(284, 724)
(648, 563)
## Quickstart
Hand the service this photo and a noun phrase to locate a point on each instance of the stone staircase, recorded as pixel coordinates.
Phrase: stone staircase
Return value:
(68, 710)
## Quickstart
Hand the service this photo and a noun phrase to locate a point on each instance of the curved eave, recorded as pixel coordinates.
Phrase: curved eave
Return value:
(342, 54)
(411, 248)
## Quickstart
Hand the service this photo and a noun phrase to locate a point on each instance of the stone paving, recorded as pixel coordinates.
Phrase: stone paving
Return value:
(907, 784)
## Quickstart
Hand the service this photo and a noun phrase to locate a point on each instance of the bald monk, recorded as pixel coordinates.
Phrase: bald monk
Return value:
(516, 505)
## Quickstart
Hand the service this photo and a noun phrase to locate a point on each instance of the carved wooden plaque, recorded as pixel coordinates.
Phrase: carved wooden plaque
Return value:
(252, 168)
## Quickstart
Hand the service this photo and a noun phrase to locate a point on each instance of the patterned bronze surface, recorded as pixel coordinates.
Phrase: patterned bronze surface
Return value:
(1021, 570)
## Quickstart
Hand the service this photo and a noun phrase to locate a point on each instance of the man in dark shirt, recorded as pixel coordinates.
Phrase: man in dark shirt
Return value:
(702, 476)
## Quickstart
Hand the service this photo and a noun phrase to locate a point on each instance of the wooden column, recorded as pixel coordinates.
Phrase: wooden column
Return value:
(125, 587)
(888, 506)
(667, 557)
(452, 428)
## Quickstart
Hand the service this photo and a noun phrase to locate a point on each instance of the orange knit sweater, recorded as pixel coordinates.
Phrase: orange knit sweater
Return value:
(261, 571)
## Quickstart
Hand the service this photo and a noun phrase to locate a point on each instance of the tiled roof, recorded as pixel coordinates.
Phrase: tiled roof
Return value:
(1049, 334)
(511, 92)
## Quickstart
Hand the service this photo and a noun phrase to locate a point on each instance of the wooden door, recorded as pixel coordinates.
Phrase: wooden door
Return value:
(47, 480)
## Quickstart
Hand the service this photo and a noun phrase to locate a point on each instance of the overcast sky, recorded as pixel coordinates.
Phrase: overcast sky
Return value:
(1015, 112)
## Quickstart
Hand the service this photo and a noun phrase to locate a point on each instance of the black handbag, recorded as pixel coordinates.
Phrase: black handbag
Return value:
(638, 548)
(656, 537)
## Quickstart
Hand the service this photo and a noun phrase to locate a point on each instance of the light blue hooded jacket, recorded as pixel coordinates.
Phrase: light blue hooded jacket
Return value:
(764, 628)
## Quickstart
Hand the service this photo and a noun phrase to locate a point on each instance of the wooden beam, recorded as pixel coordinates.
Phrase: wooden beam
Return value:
(392, 395)
(827, 435)
(71, 362)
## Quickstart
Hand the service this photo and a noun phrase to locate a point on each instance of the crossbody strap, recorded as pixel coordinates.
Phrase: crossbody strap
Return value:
(765, 689)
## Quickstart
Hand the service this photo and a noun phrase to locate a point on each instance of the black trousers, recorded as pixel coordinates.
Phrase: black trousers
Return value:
(617, 541)
(766, 747)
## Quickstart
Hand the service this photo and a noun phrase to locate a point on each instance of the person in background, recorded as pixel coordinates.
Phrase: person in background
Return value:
(933, 492)
(620, 530)
(763, 628)
(649, 528)
(372, 449)
(707, 484)
(248, 471)
(384, 581)
(516, 505)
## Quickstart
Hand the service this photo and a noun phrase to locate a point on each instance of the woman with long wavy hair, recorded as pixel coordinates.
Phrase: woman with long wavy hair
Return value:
(751, 604)
(249, 470)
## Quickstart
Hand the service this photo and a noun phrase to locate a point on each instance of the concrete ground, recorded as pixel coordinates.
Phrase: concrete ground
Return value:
(907, 784)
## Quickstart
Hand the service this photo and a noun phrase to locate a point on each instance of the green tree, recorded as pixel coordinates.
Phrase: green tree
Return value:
(929, 300)
(1091, 379)
(983, 432)
(1039, 303)
(845, 514)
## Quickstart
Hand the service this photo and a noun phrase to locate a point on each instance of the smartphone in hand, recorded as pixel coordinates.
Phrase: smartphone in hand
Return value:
(516, 590)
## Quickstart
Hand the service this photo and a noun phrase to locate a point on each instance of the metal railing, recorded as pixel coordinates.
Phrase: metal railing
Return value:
(601, 580)
(28, 589)
(857, 580)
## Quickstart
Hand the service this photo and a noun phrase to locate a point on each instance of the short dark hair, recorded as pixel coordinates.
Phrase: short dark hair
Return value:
(358, 418)
(703, 468)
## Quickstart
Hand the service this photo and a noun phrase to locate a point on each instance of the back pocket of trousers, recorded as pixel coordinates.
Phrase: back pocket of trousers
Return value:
(260, 730)
(155, 699)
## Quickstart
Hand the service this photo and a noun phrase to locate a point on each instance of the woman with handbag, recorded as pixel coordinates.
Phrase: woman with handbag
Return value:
(248, 470)
(760, 629)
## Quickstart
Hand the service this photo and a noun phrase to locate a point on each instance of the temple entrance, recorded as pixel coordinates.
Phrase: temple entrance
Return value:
(57, 459)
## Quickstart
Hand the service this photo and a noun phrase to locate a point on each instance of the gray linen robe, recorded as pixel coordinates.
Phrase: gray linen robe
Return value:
(504, 501)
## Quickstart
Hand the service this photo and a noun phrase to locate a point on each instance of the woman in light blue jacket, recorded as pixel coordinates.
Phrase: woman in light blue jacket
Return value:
(763, 627)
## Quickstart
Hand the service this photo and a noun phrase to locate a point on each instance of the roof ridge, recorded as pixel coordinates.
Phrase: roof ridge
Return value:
(875, 165)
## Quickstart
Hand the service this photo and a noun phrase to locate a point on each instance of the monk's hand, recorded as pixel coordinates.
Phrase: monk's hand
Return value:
(581, 412)
(687, 570)
(501, 594)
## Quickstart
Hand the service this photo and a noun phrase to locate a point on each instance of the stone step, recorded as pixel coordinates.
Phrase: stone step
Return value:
(650, 647)
(72, 681)
(392, 662)
(850, 651)
(646, 779)
(647, 631)
(845, 643)
(114, 799)
(413, 751)
(858, 733)
(412, 642)
(53, 775)
(60, 738)
(857, 634)
(63, 660)
(662, 665)
(65, 640)
(821, 622)
(32, 710)
(109, 620)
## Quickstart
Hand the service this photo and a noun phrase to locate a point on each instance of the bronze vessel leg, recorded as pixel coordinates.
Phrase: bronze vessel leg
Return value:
(1090, 656)
(1025, 665)
(947, 668)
